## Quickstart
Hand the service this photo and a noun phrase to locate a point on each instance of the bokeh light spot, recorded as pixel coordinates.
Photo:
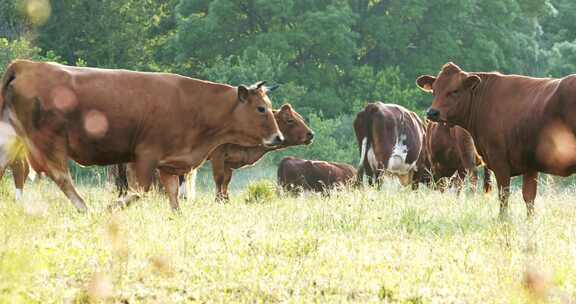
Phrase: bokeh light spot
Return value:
(95, 123)
(37, 11)
(64, 99)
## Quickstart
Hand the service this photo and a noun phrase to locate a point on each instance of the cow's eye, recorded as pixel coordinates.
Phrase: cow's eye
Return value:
(261, 109)
(454, 93)
(290, 122)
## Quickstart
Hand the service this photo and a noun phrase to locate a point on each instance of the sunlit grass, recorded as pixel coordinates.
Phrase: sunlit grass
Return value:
(392, 245)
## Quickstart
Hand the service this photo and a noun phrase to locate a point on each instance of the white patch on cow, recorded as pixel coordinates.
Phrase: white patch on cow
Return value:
(372, 159)
(18, 194)
(397, 161)
(182, 191)
(32, 174)
(187, 189)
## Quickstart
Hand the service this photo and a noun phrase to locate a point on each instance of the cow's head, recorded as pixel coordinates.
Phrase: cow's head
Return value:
(452, 90)
(254, 117)
(292, 125)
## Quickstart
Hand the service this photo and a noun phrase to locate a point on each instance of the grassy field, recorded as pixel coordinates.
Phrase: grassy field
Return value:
(392, 245)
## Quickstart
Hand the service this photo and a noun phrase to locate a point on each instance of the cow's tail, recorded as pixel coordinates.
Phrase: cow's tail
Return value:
(365, 147)
(7, 78)
(363, 151)
(32, 173)
(367, 140)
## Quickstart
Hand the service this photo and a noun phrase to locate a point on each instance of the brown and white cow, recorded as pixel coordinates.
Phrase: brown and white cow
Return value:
(452, 152)
(296, 174)
(520, 125)
(103, 117)
(390, 140)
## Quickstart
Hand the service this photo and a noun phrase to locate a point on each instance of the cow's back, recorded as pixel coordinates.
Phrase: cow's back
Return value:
(108, 113)
(395, 128)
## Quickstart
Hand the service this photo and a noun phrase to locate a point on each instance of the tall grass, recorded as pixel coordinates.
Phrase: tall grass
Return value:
(392, 245)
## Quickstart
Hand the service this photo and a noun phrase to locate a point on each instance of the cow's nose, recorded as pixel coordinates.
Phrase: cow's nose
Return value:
(278, 140)
(433, 114)
(310, 135)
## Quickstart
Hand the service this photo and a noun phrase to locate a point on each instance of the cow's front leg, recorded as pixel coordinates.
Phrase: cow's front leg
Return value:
(225, 183)
(220, 178)
(170, 184)
(529, 188)
(503, 181)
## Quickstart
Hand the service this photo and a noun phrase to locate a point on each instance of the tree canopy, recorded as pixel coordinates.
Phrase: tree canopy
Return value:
(331, 56)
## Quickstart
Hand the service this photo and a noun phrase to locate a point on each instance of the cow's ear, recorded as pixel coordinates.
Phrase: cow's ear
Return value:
(425, 83)
(243, 93)
(286, 108)
(471, 82)
(272, 88)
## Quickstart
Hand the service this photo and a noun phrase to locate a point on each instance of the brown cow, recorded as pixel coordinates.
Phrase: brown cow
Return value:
(103, 117)
(296, 174)
(229, 157)
(520, 125)
(452, 151)
(390, 139)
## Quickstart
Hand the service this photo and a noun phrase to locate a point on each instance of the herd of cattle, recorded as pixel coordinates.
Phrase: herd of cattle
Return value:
(167, 125)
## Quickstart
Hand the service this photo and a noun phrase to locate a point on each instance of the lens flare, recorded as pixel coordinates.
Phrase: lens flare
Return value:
(95, 123)
(37, 11)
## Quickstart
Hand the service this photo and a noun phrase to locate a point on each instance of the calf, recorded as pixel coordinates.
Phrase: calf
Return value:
(229, 157)
(296, 174)
(452, 151)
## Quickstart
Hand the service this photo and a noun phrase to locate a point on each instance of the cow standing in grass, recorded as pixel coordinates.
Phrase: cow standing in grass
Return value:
(104, 117)
(390, 139)
(229, 157)
(452, 152)
(520, 125)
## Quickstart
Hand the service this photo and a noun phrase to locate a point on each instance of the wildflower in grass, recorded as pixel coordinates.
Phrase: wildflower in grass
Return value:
(536, 284)
(117, 238)
(161, 265)
(100, 287)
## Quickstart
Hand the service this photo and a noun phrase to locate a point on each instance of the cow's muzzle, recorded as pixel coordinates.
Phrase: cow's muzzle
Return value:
(309, 137)
(433, 114)
(274, 140)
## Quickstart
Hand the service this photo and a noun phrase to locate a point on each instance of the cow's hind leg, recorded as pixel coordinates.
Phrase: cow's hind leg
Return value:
(59, 173)
(170, 184)
(529, 187)
(143, 171)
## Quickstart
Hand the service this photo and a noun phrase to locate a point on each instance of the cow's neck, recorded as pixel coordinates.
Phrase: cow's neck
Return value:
(471, 121)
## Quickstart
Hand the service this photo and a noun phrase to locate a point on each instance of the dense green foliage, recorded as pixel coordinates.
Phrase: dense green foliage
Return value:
(331, 56)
